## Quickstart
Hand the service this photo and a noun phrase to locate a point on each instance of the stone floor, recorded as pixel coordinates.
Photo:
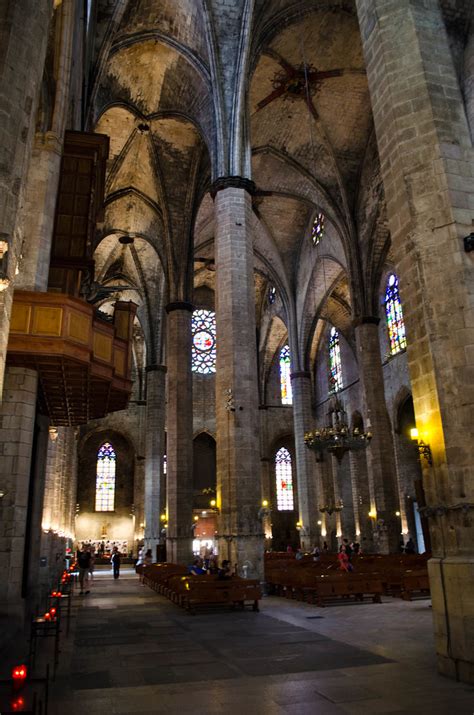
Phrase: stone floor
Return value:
(130, 651)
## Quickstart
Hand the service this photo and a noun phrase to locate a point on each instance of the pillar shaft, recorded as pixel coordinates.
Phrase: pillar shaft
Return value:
(380, 454)
(305, 460)
(16, 439)
(179, 434)
(361, 500)
(238, 467)
(155, 445)
(24, 32)
(426, 159)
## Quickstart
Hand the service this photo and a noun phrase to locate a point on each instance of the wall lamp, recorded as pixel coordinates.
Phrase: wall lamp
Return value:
(265, 510)
(213, 506)
(424, 450)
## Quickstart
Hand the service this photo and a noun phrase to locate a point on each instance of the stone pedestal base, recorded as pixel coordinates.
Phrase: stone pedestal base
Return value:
(245, 553)
(179, 550)
(452, 588)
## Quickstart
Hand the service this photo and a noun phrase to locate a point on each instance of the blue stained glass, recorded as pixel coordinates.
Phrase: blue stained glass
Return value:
(105, 478)
(335, 366)
(394, 316)
(317, 230)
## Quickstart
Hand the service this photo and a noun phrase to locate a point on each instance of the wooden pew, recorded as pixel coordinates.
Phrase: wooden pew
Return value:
(192, 592)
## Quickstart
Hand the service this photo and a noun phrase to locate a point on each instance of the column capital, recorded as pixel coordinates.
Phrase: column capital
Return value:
(179, 305)
(234, 182)
(301, 373)
(366, 320)
(157, 368)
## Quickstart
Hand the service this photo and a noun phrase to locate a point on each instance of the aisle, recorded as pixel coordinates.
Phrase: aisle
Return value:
(132, 651)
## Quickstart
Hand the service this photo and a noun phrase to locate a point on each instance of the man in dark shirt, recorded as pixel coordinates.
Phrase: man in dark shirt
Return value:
(83, 562)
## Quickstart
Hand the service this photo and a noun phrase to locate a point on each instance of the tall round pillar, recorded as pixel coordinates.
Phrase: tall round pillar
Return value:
(239, 494)
(154, 451)
(381, 467)
(179, 449)
(305, 461)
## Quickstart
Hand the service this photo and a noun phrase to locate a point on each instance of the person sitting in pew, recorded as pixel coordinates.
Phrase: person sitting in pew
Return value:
(343, 558)
(196, 568)
(225, 571)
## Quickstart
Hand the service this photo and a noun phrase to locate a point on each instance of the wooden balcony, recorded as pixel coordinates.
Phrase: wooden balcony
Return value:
(83, 361)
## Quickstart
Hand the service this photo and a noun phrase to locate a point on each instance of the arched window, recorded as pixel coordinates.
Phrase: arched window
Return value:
(394, 315)
(285, 381)
(204, 342)
(284, 480)
(335, 368)
(105, 478)
(317, 229)
(272, 294)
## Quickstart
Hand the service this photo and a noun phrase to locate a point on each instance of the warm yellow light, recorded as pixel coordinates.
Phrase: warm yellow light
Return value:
(373, 514)
(414, 433)
(163, 517)
(397, 513)
(264, 503)
(323, 531)
(212, 502)
(299, 524)
(319, 523)
(196, 518)
(165, 524)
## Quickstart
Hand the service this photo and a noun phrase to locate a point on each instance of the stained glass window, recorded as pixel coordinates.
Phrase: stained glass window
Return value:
(335, 368)
(394, 314)
(271, 294)
(284, 480)
(317, 230)
(285, 381)
(204, 342)
(105, 478)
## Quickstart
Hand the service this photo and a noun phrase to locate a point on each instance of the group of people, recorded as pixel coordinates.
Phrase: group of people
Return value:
(209, 566)
(145, 558)
(85, 559)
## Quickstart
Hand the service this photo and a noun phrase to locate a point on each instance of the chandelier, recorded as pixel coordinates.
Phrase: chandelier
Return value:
(331, 508)
(337, 438)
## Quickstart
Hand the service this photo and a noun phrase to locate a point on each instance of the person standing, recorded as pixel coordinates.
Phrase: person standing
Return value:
(115, 559)
(83, 563)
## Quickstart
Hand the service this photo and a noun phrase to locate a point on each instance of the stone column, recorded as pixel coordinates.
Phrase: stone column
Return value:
(305, 460)
(427, 160)
(41, 190)
(343, 492)
(24, 37)
(380, 453)
(238, 468)
(179, 491)
(155, 444)
(17, 415)
(361, 500)
(266, 476)
(41, 440)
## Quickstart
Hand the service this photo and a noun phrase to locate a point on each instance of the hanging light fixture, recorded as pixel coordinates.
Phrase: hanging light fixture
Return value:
(337, 437)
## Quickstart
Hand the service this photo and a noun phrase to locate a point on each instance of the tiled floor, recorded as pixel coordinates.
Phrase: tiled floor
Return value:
(131, 651)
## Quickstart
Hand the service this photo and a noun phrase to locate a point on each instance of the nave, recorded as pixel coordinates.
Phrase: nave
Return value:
(131, 651)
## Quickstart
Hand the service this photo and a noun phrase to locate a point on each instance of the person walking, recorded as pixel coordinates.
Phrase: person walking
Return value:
(115, 559)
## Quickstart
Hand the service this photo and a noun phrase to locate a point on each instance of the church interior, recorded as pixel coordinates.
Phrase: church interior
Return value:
(237, 325)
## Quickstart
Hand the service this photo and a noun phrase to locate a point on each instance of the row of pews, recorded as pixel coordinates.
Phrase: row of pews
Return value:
(195, 592)
(322, 581)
